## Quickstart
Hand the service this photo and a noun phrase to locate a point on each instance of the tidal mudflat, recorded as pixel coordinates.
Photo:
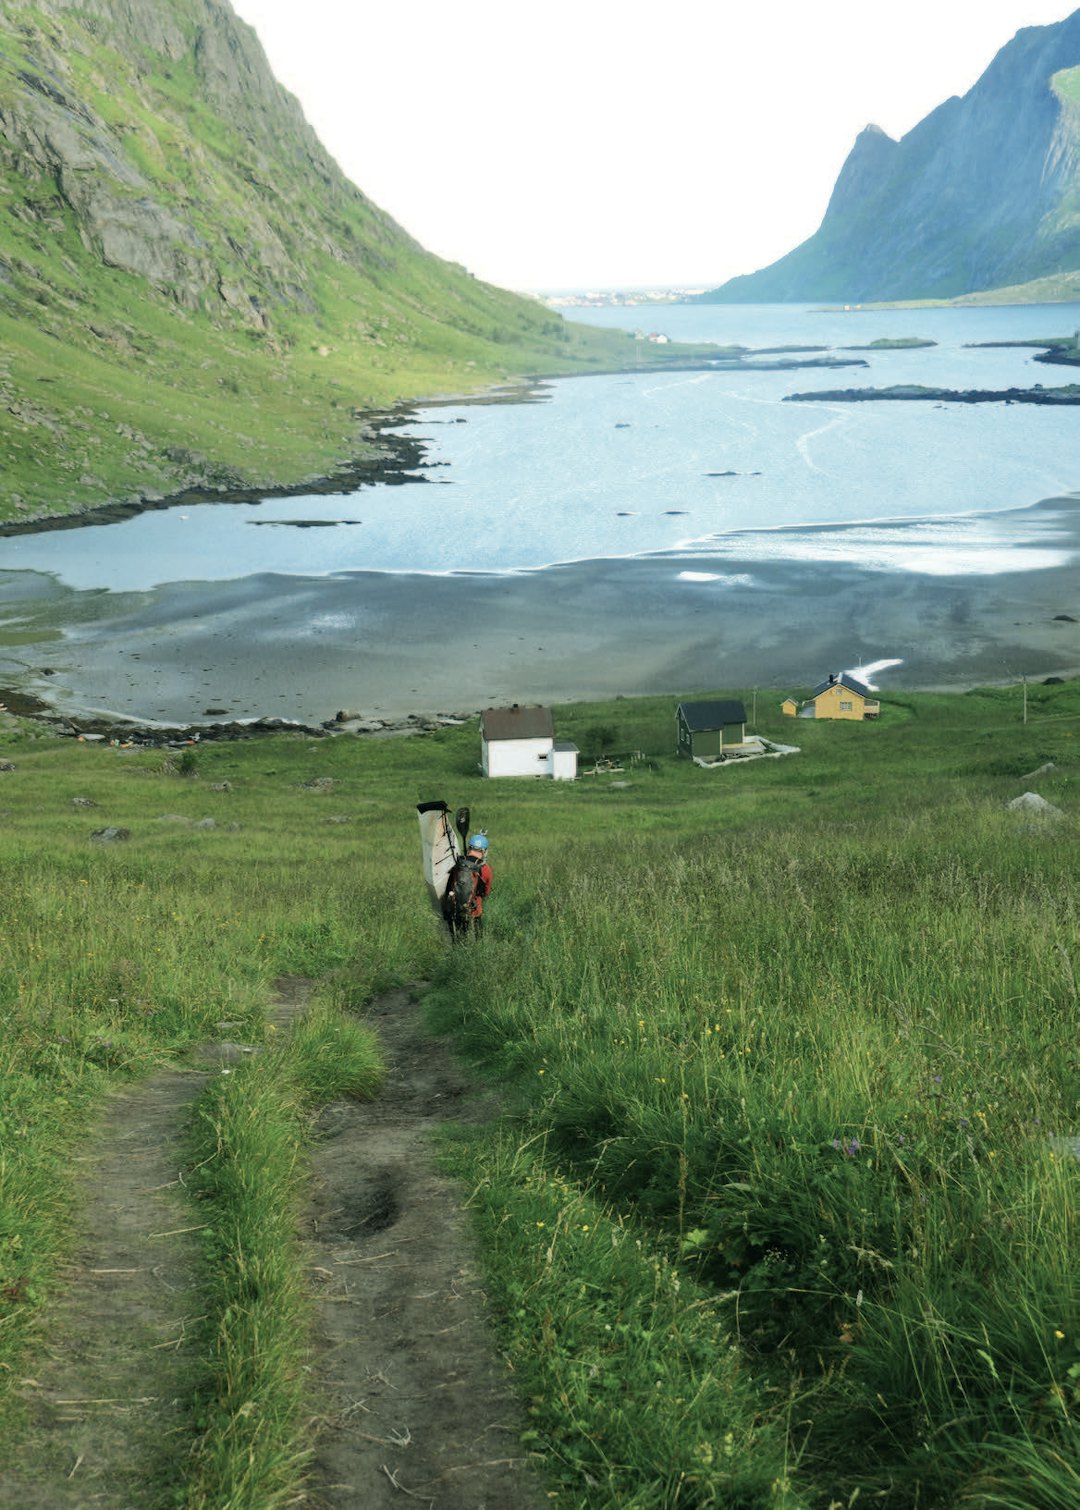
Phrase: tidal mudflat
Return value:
(389, 644)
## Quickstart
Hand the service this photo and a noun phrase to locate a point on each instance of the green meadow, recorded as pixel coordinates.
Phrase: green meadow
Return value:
(780, 1209)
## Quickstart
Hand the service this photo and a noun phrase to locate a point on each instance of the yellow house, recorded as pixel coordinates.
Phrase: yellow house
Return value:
(841, 696)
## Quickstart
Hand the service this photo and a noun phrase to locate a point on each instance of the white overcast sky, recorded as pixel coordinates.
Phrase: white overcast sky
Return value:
(602, 144)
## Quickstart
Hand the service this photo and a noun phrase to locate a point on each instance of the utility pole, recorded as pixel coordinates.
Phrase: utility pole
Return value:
(1025, 699)
(753, 716)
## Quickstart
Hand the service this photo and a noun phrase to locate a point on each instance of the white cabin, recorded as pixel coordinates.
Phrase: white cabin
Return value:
(521, 742)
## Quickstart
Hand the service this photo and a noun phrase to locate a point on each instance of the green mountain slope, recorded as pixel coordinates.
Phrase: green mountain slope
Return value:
(982, 194)
(191, 292)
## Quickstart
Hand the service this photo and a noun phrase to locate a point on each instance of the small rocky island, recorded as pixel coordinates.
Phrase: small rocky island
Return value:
(893, 343)
(1069, 394)
(752, 363)
(1063, 350)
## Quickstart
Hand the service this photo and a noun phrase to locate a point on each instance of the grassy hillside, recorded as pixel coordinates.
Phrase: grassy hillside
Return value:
(191, 293)
(782, 1207)
(1063, 288)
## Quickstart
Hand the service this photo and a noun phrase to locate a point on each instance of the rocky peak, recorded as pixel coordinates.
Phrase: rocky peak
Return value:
(980, 194)
(869, 160)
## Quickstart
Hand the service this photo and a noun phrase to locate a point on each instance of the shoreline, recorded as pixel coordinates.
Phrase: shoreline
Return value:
(396, 458)
(234, 658)
(230, 660)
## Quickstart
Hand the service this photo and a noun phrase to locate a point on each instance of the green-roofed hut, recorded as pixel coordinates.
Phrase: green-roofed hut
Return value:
(710, 730)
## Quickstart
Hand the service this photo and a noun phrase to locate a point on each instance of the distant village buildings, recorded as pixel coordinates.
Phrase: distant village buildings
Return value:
(619, 298)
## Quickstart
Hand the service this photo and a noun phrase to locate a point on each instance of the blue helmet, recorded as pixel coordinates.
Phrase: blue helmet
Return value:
(479, 841)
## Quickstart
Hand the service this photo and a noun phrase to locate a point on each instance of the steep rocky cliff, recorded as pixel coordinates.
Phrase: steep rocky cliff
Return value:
(160, 131)
(985, 191)
(191, 292)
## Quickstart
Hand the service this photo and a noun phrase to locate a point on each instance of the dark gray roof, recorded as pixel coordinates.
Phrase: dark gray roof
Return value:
(842, 679)
(517, 723)
(702, 717)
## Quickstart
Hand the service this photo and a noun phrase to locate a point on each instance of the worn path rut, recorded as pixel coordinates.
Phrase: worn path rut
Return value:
(109, 1383)
(418, 1402)
(415, 1402)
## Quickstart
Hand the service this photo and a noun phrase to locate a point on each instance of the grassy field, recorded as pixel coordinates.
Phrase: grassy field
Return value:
(781, 1210)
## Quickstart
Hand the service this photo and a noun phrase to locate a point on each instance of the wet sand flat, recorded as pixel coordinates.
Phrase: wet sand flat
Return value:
(388, 645)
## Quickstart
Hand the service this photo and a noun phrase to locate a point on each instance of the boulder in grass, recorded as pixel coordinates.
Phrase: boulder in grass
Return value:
(7, 765)
(1031, 802)
(1044, 770)
(110, 835)
(83, 802)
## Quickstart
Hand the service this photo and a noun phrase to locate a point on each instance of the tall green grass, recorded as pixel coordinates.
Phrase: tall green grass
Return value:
(830, 1067)
(116, 959)
(782, 1206)
(832, 1073)
(250, 1177)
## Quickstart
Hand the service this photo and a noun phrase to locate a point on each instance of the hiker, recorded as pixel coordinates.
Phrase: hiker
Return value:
(468, 884)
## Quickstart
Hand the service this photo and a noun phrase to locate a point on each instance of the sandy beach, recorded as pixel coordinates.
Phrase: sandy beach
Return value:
(386, 646)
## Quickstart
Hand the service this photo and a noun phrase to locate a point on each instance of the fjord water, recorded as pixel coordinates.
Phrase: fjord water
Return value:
(684, 462)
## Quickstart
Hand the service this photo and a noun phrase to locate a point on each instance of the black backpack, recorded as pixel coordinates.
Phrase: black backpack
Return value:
(461, 889)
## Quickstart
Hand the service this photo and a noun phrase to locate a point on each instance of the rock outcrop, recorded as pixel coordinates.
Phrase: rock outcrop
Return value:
(101, 125)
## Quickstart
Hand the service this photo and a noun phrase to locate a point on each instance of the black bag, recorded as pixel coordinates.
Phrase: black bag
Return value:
(462, 887)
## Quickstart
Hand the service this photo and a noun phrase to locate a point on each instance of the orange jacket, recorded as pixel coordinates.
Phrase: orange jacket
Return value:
(483, 889)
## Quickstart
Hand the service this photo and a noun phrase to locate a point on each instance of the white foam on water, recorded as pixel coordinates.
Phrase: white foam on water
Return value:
(729, 579)
(864, 673)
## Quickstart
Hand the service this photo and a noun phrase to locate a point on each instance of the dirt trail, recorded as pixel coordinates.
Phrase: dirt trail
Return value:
(109, 1384)
(415, 1401)
(418, 1404)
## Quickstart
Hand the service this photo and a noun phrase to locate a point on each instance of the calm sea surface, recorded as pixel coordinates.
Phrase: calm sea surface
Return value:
(692, 462)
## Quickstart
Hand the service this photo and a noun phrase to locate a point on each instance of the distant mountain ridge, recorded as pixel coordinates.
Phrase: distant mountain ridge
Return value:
(984, 192)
